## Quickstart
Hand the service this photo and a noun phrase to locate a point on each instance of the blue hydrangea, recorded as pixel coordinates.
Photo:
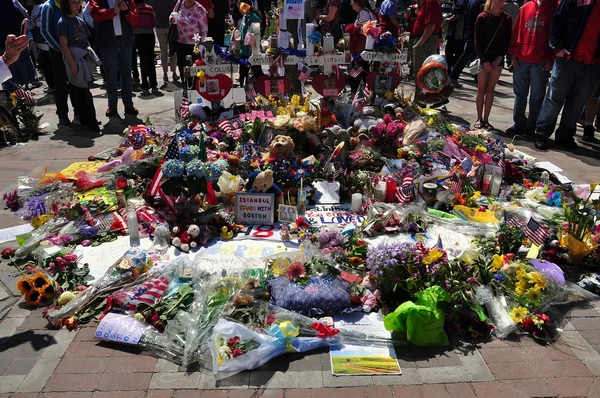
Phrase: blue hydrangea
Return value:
(196, 168)
(173, 168)
(213, 171)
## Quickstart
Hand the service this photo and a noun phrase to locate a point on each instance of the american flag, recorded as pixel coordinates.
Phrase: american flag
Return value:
(360, 95)
(232, 126)
(536, 233)
(278, 60)
(456, 184)
(405, 192)
(250, 91)
(336, 70)
(147, 293)
(356, 71)
(172, 153)
(25, 96)
(184, 109)
(304, 74)
(513, 221)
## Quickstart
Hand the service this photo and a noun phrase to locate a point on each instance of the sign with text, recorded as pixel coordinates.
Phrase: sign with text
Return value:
(212, 70)
(328, 59)
(379, 56)
(264, 59)
(341, 215)
(120, 328)
(254, 208)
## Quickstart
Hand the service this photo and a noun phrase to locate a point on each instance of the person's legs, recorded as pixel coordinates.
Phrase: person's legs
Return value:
(465, 59)
(151, 42)
(181, 58)
(521, 82)
(140, 43)
(46, 67)
(164, 51)
(539, 82)
(257, 71)
(591, 111)
(125, 65)
(586, 82)
(134, 64)
(61, 85)
(243, 74)
(489, 91)
(110, 61)
(482, 79)
(562, 79)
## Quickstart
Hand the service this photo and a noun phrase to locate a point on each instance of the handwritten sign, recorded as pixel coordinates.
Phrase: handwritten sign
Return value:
(246, 249)
(121, 329)
(333, 215)
(329, 59)
(254, 208)
(264, 59)
(212, 70)
(88, 167)
(390, 57)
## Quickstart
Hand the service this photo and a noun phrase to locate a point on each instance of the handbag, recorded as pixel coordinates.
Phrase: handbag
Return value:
(173, 33)
(476, 66)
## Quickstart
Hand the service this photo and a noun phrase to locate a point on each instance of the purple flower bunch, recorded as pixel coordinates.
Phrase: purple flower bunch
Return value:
(330, 239)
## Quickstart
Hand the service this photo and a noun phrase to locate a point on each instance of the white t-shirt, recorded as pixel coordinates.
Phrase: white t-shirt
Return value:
(116, 19)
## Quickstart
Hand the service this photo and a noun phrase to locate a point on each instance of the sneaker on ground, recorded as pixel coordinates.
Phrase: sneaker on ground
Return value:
(588, 133)
(566, 143)
(64, 121)
(110, 112)
(541, 142)
(514, 130)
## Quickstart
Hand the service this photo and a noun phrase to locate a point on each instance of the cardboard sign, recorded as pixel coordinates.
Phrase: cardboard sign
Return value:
(214, 88)
(372, 56)
(267, 85)
(215, 69)
(264, 59)
(121, 329)
(341, 215)
(254, 208)
(88, 167)
(329, 86)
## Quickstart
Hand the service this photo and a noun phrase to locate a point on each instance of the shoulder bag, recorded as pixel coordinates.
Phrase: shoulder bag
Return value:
(477, 66)
(173, 33)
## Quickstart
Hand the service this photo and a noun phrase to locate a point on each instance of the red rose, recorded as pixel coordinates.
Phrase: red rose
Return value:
(543, 317)
(236, 352)
(7, 253)
(234, 340)
(528, 325)
(72, 323)
(270, 319)
(355, 300)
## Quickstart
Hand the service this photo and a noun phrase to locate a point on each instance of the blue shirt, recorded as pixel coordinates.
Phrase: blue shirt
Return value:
(74, 29)
(389, 8)
(50, 15)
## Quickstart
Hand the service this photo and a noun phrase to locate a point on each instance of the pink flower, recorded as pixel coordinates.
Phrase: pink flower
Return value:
(270, 319)
(71, 258)
(60, 261)
(387, 119)
(296, 270)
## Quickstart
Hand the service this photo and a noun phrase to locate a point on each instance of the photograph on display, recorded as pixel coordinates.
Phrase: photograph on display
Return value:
(383, 84)
(212, 86)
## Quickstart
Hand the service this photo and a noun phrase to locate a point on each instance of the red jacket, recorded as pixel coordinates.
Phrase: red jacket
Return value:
(531, 33)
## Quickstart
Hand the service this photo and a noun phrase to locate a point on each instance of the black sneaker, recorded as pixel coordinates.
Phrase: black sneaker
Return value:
(566, 143)
(588, 134)
(64, 121)
(541, 142)
(131, 110)
(110, 112)
(93, 127)
(514, 130)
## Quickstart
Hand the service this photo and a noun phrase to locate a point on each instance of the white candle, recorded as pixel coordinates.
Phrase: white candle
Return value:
(310, 48)
(357, 201)
(328, 44)
(370, 43)
(255, 27)
(379, 193)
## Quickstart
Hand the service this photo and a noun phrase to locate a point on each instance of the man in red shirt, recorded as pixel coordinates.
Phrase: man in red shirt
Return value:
(425, 34)
(576, 71)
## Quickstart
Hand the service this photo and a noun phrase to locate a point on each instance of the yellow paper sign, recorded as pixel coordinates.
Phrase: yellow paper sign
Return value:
(534, 251)
(88, 167)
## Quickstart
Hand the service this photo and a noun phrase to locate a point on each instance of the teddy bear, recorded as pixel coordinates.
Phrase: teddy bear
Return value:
(186, 239)
(366, 119)
(371, 294)
(282, 146)
(263, 182)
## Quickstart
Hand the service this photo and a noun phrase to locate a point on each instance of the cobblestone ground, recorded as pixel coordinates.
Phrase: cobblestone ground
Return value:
(38, 362)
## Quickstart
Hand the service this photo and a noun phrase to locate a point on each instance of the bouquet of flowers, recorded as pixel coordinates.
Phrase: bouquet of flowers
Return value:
(581, 218)
(62, 264)
(37, 287)
(387, 133)
(538, 325)
(191, 177)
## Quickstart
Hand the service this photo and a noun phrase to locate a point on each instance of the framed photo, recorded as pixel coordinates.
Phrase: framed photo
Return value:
(383, 84)
(288, 214)
(274, 87)
(212, 86)
(329, 88)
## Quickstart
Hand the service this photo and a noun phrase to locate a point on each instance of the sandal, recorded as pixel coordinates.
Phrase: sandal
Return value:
(478, 124)
(487, 126)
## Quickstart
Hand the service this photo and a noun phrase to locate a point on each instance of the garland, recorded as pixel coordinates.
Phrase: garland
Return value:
(227, 57)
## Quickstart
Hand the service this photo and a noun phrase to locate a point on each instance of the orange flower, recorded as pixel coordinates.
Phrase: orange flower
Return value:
(527, 184)
(356, 261)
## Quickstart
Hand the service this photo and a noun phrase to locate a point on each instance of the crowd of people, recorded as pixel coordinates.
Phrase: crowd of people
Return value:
(551, 49)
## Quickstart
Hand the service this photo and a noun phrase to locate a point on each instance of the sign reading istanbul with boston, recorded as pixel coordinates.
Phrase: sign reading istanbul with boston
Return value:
(254, 208)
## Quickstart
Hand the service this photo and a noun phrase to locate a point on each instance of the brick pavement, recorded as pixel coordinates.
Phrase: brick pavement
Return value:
(37, 362)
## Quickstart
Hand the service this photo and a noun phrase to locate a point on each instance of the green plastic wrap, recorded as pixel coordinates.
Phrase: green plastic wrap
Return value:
(423, 321)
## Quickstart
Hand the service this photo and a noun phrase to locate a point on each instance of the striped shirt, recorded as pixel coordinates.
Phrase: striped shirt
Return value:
(364, 16)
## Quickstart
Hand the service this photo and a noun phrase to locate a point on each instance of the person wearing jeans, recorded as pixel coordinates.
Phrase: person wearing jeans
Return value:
(575, 40)
(113, 20)
(472, 11)
(144, 40)
(532, 61)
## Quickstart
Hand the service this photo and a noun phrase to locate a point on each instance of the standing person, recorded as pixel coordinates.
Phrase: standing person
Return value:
(144, 41)
(358, 39)
(472, 11)
(388, 17)
(347, 13)
(168, 57)
(575, 40)
(249, 16)
(216, 24)
(493, 29)
(13, 46)
(591, 113)
(73, 38)
(426, 30)
(330, 19)
(51, 13)
(191, 20)
(113, 21)
(511, 7)
(532, 61)
(43, 49)
(455, 35)
(23, 70)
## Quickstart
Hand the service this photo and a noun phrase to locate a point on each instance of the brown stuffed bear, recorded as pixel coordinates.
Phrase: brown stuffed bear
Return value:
(264, 183)
(282, 146)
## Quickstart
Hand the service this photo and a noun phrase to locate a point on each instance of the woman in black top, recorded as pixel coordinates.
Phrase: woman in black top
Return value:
(492, 37)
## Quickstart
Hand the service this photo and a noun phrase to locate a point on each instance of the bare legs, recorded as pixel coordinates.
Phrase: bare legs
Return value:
(486, 84)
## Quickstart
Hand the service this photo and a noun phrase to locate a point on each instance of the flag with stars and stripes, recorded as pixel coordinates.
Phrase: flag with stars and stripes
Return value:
(304, 74)
(184, 109)
(536, 233)
(362, 93)
(356, 71)
(25, 96)
(250, 91)
(233, 126)
(513, 220)
(456, 184)
(406, 192)
(172, 153)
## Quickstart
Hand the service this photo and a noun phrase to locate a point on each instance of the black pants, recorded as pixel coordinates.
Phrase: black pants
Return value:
(46, 66)
(454, 49)
(145, 46)
(134, 65)
(183, 50)
(216, 30)
(61, 85)
(465, 59)
(85, 105)
(355, 81)
(256, 71)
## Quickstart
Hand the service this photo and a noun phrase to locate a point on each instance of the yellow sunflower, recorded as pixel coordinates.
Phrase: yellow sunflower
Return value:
(521, 287)
(24, 285)
(538, 280)
(432, 257)
(518, 314)
(34, 298)
(520, 272)
(534, 294)
(497, 263)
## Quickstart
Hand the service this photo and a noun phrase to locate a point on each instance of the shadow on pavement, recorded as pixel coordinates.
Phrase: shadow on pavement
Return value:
(37, 341)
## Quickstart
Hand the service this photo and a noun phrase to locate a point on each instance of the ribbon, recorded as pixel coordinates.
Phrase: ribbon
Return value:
(324, 331)
(283, 333)
(336, 70)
